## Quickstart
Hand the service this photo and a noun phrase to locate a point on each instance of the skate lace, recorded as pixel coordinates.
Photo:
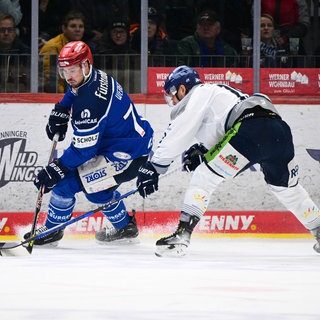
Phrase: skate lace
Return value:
(41, 230)
(178, 232)
(112, 231)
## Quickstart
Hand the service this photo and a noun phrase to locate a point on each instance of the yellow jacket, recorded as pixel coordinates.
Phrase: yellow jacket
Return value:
(50, 52)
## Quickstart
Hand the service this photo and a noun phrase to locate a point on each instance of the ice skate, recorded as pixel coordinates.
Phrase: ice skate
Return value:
(316, 233)
(128, 234)
(177, 244)
(51, 239)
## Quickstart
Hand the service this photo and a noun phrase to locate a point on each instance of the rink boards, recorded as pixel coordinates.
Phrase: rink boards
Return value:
(258, 224)
(240, 207)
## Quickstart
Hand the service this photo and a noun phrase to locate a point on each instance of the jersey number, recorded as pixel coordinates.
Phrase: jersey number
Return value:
(137, 127)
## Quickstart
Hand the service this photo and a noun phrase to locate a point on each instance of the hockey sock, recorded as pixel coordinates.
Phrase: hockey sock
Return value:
(117, 215)
(59, 210)
(297, 200)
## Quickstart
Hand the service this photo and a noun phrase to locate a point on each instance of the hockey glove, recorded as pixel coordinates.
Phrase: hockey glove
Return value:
(147, 182)
(193, 157)
(58, 122)
(50, 175)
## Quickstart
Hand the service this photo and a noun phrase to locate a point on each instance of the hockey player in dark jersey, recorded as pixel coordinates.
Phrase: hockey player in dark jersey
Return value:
(110, 142)
(234, 131)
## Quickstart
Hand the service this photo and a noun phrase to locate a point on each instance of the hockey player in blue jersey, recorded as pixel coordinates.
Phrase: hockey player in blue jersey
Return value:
(110, 142)
(234, 131)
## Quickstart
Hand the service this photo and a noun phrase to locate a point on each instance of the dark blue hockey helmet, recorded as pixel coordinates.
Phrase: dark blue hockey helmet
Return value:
(181, 75)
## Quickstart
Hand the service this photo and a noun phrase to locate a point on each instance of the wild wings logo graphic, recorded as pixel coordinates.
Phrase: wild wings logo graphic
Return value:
(16, 163)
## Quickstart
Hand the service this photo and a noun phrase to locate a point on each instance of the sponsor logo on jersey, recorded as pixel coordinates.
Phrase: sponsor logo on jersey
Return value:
(85, 141)
(94, 176)
(119, 165)
(85, 121)
(231, 160)
(85, 113)
(102, 91)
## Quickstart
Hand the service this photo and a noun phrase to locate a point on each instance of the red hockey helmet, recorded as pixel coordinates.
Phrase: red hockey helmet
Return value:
(74, 53)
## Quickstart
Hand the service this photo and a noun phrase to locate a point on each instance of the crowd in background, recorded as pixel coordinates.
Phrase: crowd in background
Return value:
(199, 33)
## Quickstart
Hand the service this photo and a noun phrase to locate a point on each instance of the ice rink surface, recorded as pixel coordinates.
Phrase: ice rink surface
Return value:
(220, 278)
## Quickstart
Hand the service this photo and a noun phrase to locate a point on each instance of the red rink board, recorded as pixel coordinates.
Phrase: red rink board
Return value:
(212, 224)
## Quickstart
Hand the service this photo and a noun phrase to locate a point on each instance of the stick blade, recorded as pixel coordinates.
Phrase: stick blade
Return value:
(6, 249)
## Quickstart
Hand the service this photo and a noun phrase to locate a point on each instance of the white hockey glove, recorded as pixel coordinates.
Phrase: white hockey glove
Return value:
(193, 157)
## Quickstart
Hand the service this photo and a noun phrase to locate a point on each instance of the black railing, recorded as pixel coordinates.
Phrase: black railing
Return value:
(15, 69)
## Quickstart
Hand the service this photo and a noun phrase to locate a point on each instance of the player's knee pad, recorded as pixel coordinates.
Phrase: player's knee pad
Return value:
(59, 210)
(224, 159)
(297, 200)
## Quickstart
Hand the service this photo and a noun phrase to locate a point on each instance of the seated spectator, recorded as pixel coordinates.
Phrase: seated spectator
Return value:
(115, 56)
(159, 45)
(272, 54)
(72, 30)
(291, 18)
(235, 18)
(116, 39)
(206, 48)
(14, 58)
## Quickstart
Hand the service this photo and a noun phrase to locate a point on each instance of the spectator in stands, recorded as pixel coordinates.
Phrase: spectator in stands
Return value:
(206, 48)
(98, 15)
(235, 18)
(272, 54)
(114, 54)
(116, 39)
(14, 57)
(51, 14)
(72, 30)
(160, 47)
(291, 17)
(13, 8)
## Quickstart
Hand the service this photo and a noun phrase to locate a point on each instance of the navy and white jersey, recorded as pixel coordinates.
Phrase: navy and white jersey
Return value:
(105, 122)
(202, 115)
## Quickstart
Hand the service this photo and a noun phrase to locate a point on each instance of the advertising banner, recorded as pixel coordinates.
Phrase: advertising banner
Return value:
(273, 81)
(254, 223)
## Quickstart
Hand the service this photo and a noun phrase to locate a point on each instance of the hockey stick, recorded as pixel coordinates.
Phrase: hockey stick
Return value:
(6, 247)
(40, 195)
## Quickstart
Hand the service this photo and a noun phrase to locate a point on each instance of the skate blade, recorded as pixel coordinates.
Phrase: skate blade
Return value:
(47, 245)
(120, 242)
(14, 252)
(173, 250)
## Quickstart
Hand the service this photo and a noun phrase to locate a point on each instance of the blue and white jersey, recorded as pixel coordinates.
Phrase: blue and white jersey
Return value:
(105, 122)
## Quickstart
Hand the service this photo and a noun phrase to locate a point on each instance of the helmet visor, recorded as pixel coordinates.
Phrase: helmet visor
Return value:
(68, 72)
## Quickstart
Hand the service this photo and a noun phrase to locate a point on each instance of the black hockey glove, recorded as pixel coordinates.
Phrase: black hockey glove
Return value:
(193, 157)
(58, 122)
(50, 175)
(147, 182)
